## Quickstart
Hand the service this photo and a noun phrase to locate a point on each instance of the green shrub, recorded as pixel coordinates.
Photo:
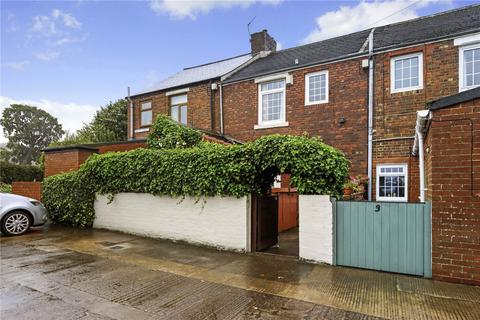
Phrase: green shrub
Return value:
(207, 170)
(5, 188)
(167, 134)
(10, 172)
(69, 199)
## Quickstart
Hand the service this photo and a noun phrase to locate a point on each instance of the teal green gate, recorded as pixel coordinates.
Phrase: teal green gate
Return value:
(387, 236)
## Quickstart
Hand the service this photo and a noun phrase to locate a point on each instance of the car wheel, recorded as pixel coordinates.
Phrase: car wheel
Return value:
(15, 223)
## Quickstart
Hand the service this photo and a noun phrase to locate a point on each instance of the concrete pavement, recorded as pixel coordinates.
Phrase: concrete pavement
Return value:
(66, 273)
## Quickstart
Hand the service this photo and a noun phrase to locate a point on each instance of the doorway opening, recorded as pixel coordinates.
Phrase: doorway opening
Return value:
(275, 221)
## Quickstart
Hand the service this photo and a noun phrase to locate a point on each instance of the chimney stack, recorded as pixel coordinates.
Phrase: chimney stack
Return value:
(262, 41)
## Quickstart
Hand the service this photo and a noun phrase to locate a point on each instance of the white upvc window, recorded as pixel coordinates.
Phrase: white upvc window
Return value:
(392, 182)
(406, 72)
(146, 114)
(469, 67)
(316, 87)
(178, 108)
(271, 104)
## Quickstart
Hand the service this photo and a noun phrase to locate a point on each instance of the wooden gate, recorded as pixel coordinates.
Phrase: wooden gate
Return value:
(387, 236)
(264, 222)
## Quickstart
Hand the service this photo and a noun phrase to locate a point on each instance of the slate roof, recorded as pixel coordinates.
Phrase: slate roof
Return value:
(457, 98)
(199, 73)
(434, 27)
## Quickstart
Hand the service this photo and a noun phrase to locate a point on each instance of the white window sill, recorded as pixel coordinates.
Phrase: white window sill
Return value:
(270, 125)
(141, 130)
(315, 102)
(468, 88)
(391, 199)
(406, 89)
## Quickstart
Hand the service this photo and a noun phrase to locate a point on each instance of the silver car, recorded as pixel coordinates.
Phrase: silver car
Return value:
(18, 214)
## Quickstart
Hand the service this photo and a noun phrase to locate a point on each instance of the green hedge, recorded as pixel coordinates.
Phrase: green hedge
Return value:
(207, 170)
(10, 172)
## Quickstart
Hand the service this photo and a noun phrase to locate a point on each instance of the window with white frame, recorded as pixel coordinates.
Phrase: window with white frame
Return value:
(316, 87)
(271, 102)
(406, 72)
(178, 108)
(392, 182)
(146, 113)
(469, 67)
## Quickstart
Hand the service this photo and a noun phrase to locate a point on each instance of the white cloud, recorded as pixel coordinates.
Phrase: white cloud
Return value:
(181, 9)
(72, 116)
(68, 20)
(17, 65)
(348, 19)
(69, 39)
(11, 25)
(44, 26)
(54, 24)
(47, 56)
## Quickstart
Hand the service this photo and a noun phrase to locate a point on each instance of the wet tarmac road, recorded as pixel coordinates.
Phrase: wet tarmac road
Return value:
(62, 273)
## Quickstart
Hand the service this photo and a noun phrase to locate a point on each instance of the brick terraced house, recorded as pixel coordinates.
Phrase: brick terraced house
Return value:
(402, 101)
(322, 89)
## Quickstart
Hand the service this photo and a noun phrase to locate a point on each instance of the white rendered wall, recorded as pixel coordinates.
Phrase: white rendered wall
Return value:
(316, 228)
(222, 222)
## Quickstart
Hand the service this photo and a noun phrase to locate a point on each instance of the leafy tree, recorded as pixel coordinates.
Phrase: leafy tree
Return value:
(108, 125)
(29, 130)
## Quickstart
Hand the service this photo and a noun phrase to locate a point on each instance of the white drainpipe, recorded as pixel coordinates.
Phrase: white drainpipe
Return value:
(370, 113)
(221, 109)
(422, 118)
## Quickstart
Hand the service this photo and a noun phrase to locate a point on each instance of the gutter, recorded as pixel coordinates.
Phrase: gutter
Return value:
(423, 116)
(370, 113)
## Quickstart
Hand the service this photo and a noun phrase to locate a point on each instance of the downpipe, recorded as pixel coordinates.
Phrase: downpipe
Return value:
(370, 113)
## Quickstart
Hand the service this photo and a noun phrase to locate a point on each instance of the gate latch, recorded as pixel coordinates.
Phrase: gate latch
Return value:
(377, 208)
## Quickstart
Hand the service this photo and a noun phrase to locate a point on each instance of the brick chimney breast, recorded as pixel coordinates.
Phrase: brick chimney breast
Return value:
(262, 41)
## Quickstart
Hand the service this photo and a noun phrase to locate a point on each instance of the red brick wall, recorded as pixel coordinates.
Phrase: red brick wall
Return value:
(347, 98)
(395, 113)
(452, 152)
(31, 189)
(65, 160)
(198, 114)
(58, 161)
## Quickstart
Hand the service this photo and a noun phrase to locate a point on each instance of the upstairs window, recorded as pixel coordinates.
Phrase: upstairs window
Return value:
(406, 73)
(178, 108)
(146, 113)
(316, 88)
(469, 67)
(271, 102)
(392, 183)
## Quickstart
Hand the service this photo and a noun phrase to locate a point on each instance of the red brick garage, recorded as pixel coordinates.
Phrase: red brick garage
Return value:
(452, 178)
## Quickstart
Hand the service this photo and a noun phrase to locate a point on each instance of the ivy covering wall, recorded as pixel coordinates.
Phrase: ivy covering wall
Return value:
(202, 170)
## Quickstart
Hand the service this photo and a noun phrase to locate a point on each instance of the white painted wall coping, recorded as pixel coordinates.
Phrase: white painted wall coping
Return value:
(221, 222)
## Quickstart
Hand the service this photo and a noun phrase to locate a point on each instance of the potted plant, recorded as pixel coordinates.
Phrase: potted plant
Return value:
(349, 187)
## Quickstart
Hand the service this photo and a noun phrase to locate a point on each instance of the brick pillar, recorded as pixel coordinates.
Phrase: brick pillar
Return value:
(64, 159)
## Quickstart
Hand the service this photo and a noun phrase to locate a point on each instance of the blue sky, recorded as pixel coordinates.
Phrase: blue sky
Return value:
(70, 57)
